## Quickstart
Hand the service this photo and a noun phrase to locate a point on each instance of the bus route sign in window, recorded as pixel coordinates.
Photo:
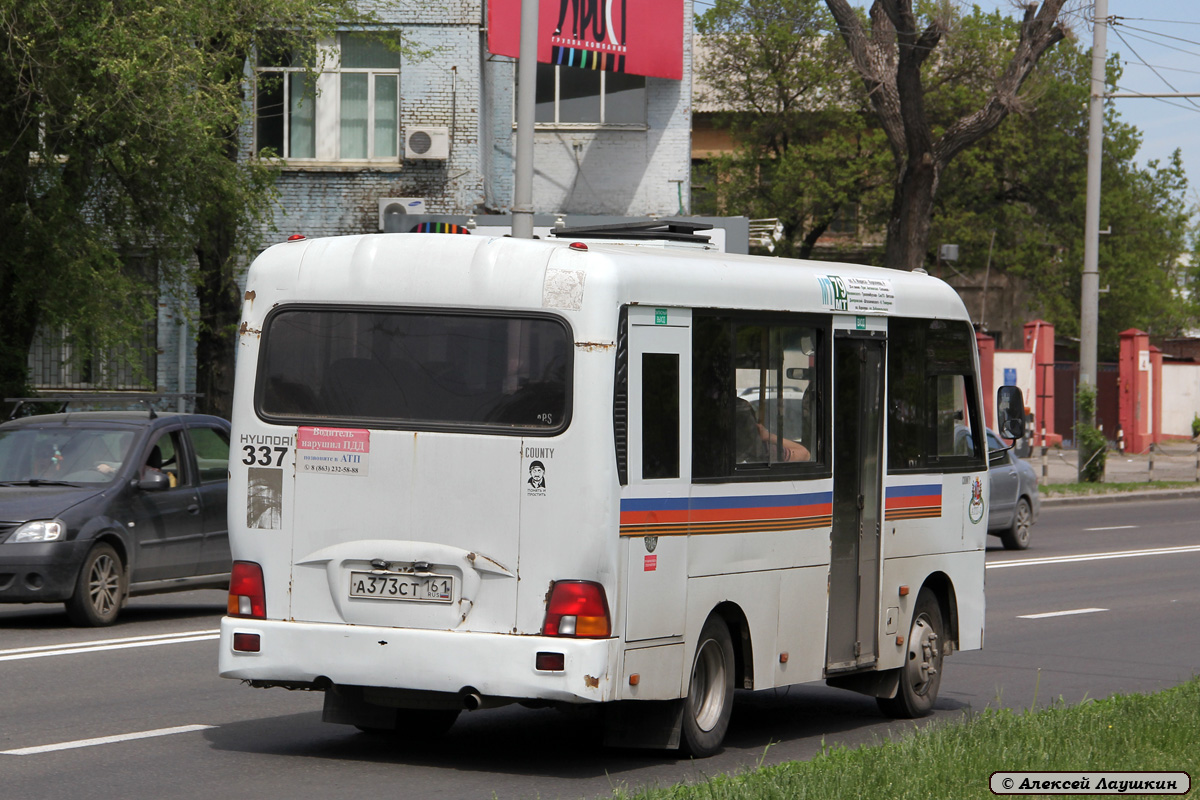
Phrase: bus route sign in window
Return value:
(421, 370)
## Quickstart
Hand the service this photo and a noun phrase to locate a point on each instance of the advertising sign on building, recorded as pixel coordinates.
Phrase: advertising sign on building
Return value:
(637, 37)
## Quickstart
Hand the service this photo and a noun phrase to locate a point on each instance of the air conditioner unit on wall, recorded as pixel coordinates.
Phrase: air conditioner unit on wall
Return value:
(428, 142)
(396, 207)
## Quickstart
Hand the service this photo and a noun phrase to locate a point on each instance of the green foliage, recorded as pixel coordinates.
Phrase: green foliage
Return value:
(1108, 487)
(806, 148)
(1093, 447)
(1196, 425)
(1027, 184)
(1118, 733)
(118, 143)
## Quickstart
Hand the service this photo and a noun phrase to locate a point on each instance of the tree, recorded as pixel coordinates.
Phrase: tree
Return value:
(1026, 184)
(892, 62)
(806, 149)
(119, 124)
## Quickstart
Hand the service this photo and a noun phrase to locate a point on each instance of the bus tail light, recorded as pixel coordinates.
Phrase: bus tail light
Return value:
(247, 592)
(577, 608)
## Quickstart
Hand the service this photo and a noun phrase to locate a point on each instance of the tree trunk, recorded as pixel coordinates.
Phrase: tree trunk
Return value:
(912, 214)
(220, 309)
(889, 62)
(217, 289)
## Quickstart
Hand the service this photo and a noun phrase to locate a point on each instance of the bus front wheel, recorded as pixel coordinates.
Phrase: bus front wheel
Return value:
(921, 674)
(709, 701)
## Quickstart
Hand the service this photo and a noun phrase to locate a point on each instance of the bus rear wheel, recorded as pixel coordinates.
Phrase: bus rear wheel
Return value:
(709, 702)
(921, 674)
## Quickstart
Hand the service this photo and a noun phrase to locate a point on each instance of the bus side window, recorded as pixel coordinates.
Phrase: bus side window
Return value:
(755, 396)
(932, 414)
(660, 415)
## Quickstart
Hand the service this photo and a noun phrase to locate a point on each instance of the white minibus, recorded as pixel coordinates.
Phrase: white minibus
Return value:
(604, 469)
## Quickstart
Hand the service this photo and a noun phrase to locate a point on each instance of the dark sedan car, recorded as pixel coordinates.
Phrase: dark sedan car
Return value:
(98, 506)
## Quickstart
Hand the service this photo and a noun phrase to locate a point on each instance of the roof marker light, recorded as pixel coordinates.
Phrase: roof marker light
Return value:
(578, 246)
(296, 237)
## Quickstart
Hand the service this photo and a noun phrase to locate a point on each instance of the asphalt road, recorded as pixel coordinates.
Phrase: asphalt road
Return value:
(1104, 601)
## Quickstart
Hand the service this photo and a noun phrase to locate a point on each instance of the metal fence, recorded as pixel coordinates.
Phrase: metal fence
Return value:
(56, 362)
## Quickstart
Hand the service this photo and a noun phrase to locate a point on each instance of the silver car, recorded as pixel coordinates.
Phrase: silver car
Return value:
(1014, 490)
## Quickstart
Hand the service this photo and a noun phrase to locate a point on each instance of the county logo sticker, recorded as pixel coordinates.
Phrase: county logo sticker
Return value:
(535, 478)
(975, 508)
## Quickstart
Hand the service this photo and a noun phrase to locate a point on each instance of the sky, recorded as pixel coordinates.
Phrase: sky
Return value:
(1159, 43)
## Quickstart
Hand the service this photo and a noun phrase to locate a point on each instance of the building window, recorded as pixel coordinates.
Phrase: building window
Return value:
(358, 96)
(369, 113)
(572, 96)
(62, 359)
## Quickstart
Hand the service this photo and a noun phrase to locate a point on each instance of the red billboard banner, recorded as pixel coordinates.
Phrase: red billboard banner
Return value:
(638, 37)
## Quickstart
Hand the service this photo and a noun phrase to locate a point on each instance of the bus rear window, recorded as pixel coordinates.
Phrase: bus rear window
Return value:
(415, 370)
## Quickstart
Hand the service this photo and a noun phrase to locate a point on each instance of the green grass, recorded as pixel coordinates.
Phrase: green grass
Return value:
(944, 759)
(1078, 489)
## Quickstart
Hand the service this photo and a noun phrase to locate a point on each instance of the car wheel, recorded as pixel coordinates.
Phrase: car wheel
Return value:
(1017, 536)
(709, 701)
(99, 589)
(921, 674)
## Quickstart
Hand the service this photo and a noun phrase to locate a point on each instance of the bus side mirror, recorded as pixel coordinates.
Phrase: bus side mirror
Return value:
(1010, 412)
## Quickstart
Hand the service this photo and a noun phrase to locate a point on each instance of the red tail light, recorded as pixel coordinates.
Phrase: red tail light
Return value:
(247, 593)
(577, 608)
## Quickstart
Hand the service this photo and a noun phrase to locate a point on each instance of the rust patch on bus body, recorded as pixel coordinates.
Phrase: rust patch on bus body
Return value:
(245, 328)
(591, 346)
(590, 682)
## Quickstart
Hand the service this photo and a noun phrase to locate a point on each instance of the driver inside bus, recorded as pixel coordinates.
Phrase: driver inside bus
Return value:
(755, 443)
(792, 451)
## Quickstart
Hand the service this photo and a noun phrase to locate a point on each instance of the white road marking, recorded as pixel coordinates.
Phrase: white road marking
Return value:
(124, 737)
(1061, 613)
(1033, 562)
(1114, 528)
(22, 653)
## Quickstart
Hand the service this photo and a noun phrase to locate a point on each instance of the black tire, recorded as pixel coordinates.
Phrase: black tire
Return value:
(921, 674)
(416, 725)
(709, 702)
(99, 589)
(1017, 535)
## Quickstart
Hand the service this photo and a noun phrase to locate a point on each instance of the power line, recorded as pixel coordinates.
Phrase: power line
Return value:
(1152, 69)
(1156, 33)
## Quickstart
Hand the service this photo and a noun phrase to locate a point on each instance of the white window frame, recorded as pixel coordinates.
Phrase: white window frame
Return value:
(557, 123)
(372, 74)
(327, 115)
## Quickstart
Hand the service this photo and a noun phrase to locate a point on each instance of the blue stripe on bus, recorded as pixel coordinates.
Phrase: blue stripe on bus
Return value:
(738, 501)
(922, 490)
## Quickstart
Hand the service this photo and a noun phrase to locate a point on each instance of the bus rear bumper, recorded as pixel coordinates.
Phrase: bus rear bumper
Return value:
(491, 665)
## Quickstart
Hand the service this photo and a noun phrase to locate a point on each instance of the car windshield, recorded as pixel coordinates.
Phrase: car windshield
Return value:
(62, 455)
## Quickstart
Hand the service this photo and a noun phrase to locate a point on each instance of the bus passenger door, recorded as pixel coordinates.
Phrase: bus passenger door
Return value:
(854, 568)
(654, 503)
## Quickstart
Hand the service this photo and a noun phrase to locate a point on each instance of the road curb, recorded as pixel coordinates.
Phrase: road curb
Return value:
(1116, 497)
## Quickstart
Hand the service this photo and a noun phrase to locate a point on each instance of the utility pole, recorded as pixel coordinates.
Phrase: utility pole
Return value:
(522, 207)
(1090, 285)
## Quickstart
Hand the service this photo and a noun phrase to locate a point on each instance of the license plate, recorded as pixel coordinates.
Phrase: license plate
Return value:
(402, 586)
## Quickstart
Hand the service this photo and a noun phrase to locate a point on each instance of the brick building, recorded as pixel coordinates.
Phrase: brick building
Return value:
(429, 128)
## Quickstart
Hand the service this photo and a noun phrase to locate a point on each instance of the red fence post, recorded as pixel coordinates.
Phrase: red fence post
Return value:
(987, 375)
(1134, 389)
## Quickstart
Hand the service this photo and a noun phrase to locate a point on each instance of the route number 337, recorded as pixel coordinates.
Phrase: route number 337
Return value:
(263, 456)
